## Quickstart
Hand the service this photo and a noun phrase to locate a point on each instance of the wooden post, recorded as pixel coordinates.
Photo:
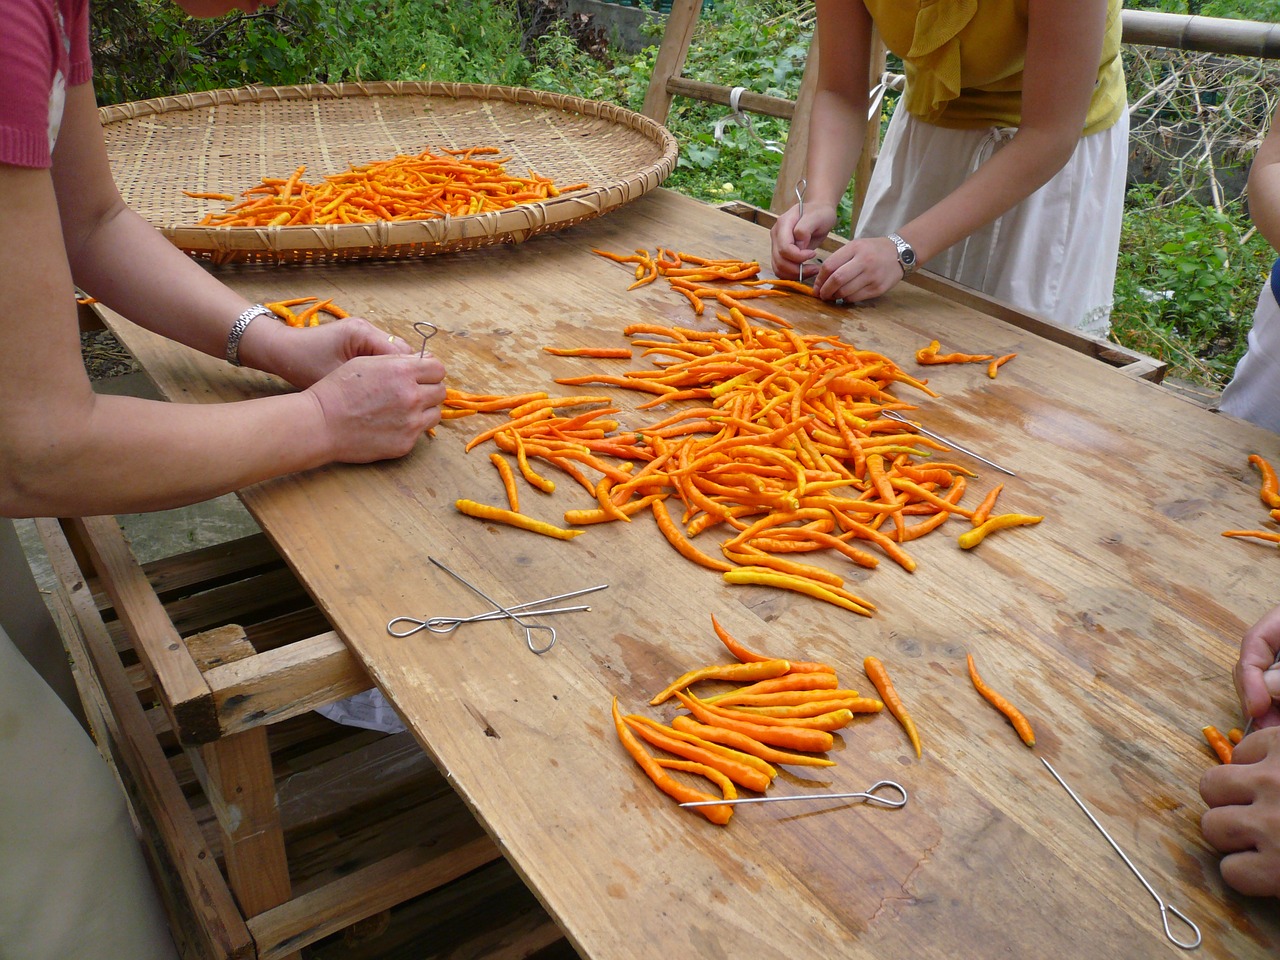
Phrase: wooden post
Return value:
(797, 151)
(681, 22)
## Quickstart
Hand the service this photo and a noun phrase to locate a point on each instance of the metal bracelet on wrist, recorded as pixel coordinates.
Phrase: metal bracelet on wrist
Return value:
(237, 331)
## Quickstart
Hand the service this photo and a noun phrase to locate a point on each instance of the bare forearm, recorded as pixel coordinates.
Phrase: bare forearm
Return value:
(1264, 186)
(125, 455)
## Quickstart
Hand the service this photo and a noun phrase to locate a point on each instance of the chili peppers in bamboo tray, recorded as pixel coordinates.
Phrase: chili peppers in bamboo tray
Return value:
(776, 442)
(419, 187)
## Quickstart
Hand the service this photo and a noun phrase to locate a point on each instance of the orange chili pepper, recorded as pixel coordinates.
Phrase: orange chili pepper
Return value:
(749, 656)
(971, 538)
(788, 683)
(746, 744)
(1220, 744)
(1270, 489)
(1014, 716)
(879, 677)
(508, 480)
(599, 353)
(1269, 535)
(1235, 735)
(740, 773)
(665, 782)
(983, 510)
(788, 738)
(760, 670)
(483, 511)
(723, 750)
(930, 354)
(808, 711)
(997, 363)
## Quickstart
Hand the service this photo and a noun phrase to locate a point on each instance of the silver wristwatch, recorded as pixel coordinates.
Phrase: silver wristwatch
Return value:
(906, 254)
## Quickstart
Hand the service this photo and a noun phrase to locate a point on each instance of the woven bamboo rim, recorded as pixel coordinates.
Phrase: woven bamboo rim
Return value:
(224, 141)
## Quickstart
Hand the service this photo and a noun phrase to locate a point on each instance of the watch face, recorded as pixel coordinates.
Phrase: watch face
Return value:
(907, 255)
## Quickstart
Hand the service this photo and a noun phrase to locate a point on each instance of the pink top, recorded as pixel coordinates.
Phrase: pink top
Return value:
(44, 48)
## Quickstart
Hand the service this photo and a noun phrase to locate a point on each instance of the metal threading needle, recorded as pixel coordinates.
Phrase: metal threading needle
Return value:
(801, 186)
(446, 625)
(894, 415)
(528, 627)
(427, 330)
(869, 795)
(1165, 910)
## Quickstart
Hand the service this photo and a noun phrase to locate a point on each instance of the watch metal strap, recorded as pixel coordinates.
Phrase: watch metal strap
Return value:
(237, 331)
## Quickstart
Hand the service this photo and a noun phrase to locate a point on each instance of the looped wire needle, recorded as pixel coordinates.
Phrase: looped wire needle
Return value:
(1165, 909)
(427, 330)
(528, 628)
(801, 186)
(895, 415)
(870, 795)
(446, 625)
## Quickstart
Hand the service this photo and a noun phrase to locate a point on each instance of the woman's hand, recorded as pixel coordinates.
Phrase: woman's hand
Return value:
(1256, 674)
(860, 270)
(1243, 819)
(796, 239)
(304, 355)
(377, 407)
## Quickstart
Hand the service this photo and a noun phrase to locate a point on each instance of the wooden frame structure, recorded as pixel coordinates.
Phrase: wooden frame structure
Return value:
(269, 827)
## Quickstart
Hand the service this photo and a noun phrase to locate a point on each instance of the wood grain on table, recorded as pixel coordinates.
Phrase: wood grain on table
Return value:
(1113, 625)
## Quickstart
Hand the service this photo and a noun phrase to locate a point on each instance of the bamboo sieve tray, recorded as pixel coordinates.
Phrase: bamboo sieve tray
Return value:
(225, 141)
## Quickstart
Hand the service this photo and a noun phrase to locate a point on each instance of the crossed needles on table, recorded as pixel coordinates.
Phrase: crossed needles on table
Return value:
(407, 626)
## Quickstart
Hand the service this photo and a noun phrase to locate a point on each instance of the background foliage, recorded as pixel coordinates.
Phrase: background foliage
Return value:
(1190, 266)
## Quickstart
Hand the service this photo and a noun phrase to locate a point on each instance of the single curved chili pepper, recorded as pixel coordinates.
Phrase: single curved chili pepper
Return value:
(789, 682)
(997, 363)
(929, 354)
(599, 353)
(971, 538)
(740, 773)
(1014, 716)
(508, 480)
(879, 677)
(483, 511)
(788, 738)
(749, 656)
(1220, 744)
(678, 540)
(1269, 535)
(811, 710)
(664, 781)
(745, 744)
(1270, 490)
(760, 670)
(763, 576)
(983, 509)
(727, 790)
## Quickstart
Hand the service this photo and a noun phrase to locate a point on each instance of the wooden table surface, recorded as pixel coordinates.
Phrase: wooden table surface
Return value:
(1113, 624)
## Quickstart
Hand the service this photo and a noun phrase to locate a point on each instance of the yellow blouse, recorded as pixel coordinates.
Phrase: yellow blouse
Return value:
(964, 60)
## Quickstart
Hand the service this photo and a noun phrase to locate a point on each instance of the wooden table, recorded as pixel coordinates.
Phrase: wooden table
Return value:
(1114, 624)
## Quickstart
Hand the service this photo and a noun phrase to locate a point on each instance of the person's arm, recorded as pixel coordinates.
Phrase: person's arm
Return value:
(66, 451)
(1064, 46)
(837, 129)
(1264, 185)
(1243, 819)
